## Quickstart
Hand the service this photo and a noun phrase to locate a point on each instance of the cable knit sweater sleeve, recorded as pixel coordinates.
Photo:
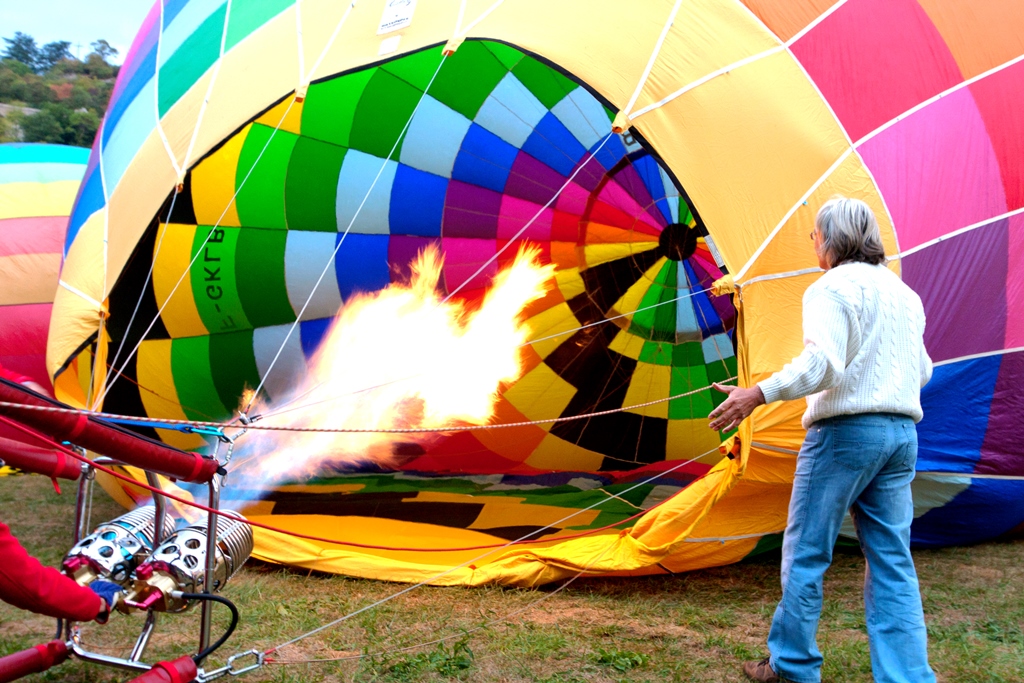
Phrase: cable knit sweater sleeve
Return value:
(830, 330)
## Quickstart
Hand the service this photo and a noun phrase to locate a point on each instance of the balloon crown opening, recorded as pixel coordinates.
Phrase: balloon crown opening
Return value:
(678, 241)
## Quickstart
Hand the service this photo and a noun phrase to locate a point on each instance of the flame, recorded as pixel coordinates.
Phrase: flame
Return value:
(401, 357)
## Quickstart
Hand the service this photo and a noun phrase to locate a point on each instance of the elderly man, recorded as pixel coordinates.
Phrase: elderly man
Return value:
(861, 369)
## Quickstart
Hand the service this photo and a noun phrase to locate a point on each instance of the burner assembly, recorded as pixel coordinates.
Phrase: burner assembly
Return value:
(163, 565)
(180, 564)
(114, 549)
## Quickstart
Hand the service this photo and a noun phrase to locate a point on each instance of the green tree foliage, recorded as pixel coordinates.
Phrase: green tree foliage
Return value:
(71, 95)
(6, 130)
(51, 53)
(105, 50)
(22, 48)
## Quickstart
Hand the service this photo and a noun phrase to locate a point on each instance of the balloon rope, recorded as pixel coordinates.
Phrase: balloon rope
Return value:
(515, 542)
(464, 633)
(537, 215)
(133, 420)
(654, 57)
(348, 228)
(288, 406)
(523, 540)
(142, 290)
(199, 250)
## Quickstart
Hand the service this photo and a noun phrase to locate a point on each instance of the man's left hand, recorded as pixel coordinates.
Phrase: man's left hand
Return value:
(734, 409)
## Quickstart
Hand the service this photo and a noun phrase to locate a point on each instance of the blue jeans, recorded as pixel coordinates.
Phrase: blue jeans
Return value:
(864, 464)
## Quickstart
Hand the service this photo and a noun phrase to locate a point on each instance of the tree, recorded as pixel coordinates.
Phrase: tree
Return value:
(52, 53)
(81, 128)
(105, 50)
(42, 127)
(22, 48)
(6, 130)
(96, 67)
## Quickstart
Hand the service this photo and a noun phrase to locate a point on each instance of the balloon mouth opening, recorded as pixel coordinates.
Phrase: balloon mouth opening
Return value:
(678, 241)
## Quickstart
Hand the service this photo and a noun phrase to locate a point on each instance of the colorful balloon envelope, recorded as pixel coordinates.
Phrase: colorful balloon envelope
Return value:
(38, 183)
(262, 165)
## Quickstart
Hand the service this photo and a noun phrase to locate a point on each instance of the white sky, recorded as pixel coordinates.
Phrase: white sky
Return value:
(78, 21)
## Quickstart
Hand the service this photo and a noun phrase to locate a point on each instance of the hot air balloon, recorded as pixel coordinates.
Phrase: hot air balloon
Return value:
(262, 164)
(38, 183)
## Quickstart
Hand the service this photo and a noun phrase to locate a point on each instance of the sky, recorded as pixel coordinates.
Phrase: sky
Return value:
(78, 21)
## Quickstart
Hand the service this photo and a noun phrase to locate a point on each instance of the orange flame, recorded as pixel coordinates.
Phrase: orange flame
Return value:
(399, 358)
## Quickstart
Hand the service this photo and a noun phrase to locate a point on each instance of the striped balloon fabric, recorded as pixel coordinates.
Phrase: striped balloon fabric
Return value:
(38, 184)
(667, 161)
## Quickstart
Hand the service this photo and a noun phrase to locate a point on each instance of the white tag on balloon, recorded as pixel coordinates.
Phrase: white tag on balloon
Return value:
(397, 15)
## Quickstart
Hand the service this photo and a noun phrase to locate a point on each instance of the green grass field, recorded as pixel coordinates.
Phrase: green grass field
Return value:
(691, 627)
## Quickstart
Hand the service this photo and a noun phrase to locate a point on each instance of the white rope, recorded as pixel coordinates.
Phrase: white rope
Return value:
(800, 202)
(298, 40)
(180, 171)
(330, 43)
(473, 24)
(960, 231)
(654, 57)
(974, 356)
(537, 215)
(209, 93)
(119, 372)
(441, 575)
(811, 26)
(931, 100)
(334, 254)
(131, 419)
(156, 99)
(463, 633)
(704, 79)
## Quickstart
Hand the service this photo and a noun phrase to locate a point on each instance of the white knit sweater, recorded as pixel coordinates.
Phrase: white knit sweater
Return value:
(863, 347)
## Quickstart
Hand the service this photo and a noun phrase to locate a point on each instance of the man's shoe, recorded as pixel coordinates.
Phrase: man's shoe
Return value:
(761, 671)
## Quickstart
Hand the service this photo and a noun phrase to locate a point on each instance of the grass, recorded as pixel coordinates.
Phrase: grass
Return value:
(691, 627)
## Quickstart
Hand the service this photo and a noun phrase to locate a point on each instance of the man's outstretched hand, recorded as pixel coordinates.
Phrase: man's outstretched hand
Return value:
(734, 409)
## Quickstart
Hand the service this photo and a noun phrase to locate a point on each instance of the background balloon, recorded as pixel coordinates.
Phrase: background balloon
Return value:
(38, 184)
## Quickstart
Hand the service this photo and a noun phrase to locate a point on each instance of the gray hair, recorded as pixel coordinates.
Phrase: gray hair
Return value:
(849, 232)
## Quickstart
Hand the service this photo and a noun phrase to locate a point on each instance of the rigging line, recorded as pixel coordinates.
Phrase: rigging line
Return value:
(199, 250)
(329, 44)
(142, 290)
(615, 317)
(206, 99)
(161, 397)
(130, 419)
(341, 241)
(592, 156)
(486, 624)
(286, 409)
(156, 96)
(487, 554)
(654, 57)
(195, 135)
(525, 540)
(312, 71)
(483, 15)
(91, 399)
(711, 335)
(298, 40)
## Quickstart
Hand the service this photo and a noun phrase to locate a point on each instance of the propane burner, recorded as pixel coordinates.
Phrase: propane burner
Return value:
(178, 565)
(114, 549)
